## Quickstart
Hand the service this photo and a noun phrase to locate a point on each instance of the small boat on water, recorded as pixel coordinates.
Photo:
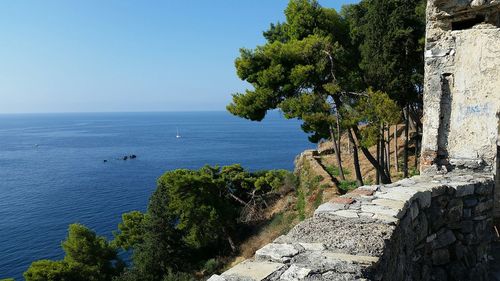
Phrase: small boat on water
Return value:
(178, 136)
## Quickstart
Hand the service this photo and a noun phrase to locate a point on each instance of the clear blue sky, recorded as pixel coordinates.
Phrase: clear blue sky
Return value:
(127, 55)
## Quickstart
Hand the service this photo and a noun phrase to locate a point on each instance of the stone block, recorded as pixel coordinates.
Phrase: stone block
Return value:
(414, 210)
(362, 192)
(393, 204)
(216, 277)
(467, 213)
(346, 214)
(295, 273)
(463, 189)
(447, 237)
(276, 252)
(470, 202)
(252, 270)
(376, 209)
(386, 219)
(484, 189)
(467, 226)
(313, 246)
(393, 195)
(342, 200)
(440, 256)
(424, 198)
(483, 206)
(329, 207)
(351, 258)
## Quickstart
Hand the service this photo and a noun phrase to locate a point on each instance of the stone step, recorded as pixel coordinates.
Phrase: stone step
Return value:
(251, 271)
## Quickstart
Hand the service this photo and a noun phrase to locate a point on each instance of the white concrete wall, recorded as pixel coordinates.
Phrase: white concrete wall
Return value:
(475, 95)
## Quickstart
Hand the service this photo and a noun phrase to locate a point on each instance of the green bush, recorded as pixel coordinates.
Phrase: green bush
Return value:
(211, 266)
(335, 172)
(347, 185)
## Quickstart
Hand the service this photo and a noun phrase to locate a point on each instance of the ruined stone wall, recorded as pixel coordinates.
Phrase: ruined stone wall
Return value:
(437, 226)
(462, 89)
(425, 228)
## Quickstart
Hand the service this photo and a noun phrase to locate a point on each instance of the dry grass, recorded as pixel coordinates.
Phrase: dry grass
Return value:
(282, 215)
(367, 170)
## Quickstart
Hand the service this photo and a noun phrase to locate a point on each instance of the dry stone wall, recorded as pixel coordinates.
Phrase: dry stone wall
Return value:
(437, 226)
(433, 227)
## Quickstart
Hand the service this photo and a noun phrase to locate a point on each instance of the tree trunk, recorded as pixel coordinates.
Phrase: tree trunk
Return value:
(407, 137)
(417, 145)
(369, 157)
(336, 149)
(383, 151)
(396, 163)
(388, 149)
(378, 160)
(229, 240)
(357, 169)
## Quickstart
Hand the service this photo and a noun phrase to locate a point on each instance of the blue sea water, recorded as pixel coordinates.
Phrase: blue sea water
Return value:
(52, 172)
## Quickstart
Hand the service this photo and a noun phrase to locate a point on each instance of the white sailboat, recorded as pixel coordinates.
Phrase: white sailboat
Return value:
(178, 136)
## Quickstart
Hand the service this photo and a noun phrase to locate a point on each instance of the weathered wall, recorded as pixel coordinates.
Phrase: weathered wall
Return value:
(425, 228)
(437, 226)
(462, 89)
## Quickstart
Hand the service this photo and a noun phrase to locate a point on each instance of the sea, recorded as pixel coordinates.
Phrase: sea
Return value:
(53, 170)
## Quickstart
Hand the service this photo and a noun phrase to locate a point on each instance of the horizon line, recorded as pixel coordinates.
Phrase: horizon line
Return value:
(106, 112)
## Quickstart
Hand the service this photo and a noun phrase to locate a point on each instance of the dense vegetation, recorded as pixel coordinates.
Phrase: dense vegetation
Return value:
(349, 74)
(192, 217)
(352, 73)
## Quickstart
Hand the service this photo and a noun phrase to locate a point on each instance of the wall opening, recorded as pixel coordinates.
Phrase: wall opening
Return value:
(444, 118)
(468, 23)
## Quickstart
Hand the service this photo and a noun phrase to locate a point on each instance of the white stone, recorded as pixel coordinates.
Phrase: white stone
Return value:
(328, 207)
(313, 246)
(393, 195)
(351, 258)
(346, 214)
(386, 219)
(393, 204)
(216, 277)
(381, 210)
(295, 273)
(253, 270)
(276, 252)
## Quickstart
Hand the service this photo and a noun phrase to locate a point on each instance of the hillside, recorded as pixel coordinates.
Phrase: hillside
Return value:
(312, 190)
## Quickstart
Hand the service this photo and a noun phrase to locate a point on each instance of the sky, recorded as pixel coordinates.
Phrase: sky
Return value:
(127, 55)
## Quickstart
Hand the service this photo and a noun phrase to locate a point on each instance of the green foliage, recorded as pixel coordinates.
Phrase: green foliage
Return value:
(414, 172)
(131, 230)
(211, 266)
(192, 216)
(47, 270)
(301, 205)
(304, 64)
(389, 33)
(88, 257)
(318, 199)
(273, 180)
(7, 279)
(374, 110)
(335, 172)
(348, 185)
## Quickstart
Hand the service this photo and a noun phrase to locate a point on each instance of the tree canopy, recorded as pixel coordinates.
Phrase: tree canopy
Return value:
(87, 257)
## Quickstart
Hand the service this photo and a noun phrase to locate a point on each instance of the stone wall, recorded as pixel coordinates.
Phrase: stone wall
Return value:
(462, 89)
(432, 227)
